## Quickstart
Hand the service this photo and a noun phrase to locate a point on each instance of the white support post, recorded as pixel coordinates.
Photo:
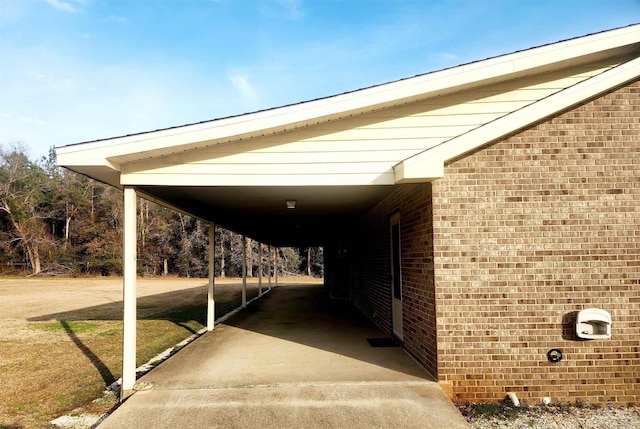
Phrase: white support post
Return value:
(270, 265)
(129, 293)
(276, 265)
(259, 269)
(244, 271)
(211, 289)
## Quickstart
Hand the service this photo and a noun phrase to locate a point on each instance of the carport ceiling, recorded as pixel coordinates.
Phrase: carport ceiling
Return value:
(261, 212)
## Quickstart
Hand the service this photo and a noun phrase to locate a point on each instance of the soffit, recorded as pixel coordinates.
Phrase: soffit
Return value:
(261, 212)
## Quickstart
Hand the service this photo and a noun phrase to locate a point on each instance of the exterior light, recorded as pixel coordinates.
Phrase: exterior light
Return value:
(291, 204)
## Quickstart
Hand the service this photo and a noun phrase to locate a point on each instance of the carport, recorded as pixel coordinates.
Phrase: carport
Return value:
(291, 176)
(261, 213)
(276, 216)
(260, 186)
(345, 172)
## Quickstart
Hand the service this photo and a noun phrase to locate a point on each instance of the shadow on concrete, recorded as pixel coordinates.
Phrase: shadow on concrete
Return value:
(305, 314)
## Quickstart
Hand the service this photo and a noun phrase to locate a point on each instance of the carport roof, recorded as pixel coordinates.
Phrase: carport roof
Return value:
(250, 206)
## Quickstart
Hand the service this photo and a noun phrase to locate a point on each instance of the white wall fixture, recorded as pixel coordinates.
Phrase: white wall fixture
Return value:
(593, 324)
(514, 399)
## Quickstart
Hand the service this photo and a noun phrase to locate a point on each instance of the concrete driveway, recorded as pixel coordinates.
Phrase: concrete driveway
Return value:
(293, 359)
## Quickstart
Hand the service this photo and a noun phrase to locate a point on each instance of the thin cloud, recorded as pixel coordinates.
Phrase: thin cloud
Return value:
(293, 8)
(119, 20)
(62, 5)
(241, 82)
(449, 56)
(29, 120)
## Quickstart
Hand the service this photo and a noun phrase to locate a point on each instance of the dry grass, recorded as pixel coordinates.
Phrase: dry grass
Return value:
(61, 339)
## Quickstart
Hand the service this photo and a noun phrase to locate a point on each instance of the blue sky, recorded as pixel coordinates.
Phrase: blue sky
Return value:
(80, 70)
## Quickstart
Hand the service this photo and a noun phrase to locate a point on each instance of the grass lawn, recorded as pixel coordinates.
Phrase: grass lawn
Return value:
(61, 339)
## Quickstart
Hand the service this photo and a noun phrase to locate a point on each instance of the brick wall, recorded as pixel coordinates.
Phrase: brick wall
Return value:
(373, 294)
(526, 232)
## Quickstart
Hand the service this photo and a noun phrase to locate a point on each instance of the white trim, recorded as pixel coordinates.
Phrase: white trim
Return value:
(397, 310)
(337, 179)
(429, 165)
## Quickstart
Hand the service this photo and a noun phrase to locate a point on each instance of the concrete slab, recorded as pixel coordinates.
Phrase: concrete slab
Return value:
(294, 359)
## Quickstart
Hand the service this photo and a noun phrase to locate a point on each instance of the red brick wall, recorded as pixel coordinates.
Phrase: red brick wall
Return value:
(526, 232)
(373, 294)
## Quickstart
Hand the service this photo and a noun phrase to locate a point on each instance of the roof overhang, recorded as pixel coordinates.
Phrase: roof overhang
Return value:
(120, 150)
(259, 211)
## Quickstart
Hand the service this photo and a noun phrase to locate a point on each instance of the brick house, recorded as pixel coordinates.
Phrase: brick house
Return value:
(471, 213)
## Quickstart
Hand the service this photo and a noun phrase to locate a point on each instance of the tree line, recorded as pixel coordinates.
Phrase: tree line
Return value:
(54, 221)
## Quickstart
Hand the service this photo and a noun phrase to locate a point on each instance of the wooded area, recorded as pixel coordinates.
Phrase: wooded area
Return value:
(54, 221)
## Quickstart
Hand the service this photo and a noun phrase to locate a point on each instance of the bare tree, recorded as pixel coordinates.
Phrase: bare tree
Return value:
(22, 202)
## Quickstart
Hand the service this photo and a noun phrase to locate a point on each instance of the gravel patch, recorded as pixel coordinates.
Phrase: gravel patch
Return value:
(81, 421)
(551, 417)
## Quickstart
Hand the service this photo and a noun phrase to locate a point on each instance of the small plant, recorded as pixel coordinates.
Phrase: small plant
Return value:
(502, 410)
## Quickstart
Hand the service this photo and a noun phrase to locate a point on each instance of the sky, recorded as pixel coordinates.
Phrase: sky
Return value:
(80, 70)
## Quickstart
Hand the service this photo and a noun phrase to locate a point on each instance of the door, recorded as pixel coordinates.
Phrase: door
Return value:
(396, 276)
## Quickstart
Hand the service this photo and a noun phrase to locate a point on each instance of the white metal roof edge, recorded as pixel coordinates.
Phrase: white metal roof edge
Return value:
(429, 164)
(360, 100)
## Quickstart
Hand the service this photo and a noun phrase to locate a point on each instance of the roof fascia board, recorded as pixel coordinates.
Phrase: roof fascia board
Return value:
(69, 158)
(429, 165)
(368, 99)
(102, 174)
(109, 170)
